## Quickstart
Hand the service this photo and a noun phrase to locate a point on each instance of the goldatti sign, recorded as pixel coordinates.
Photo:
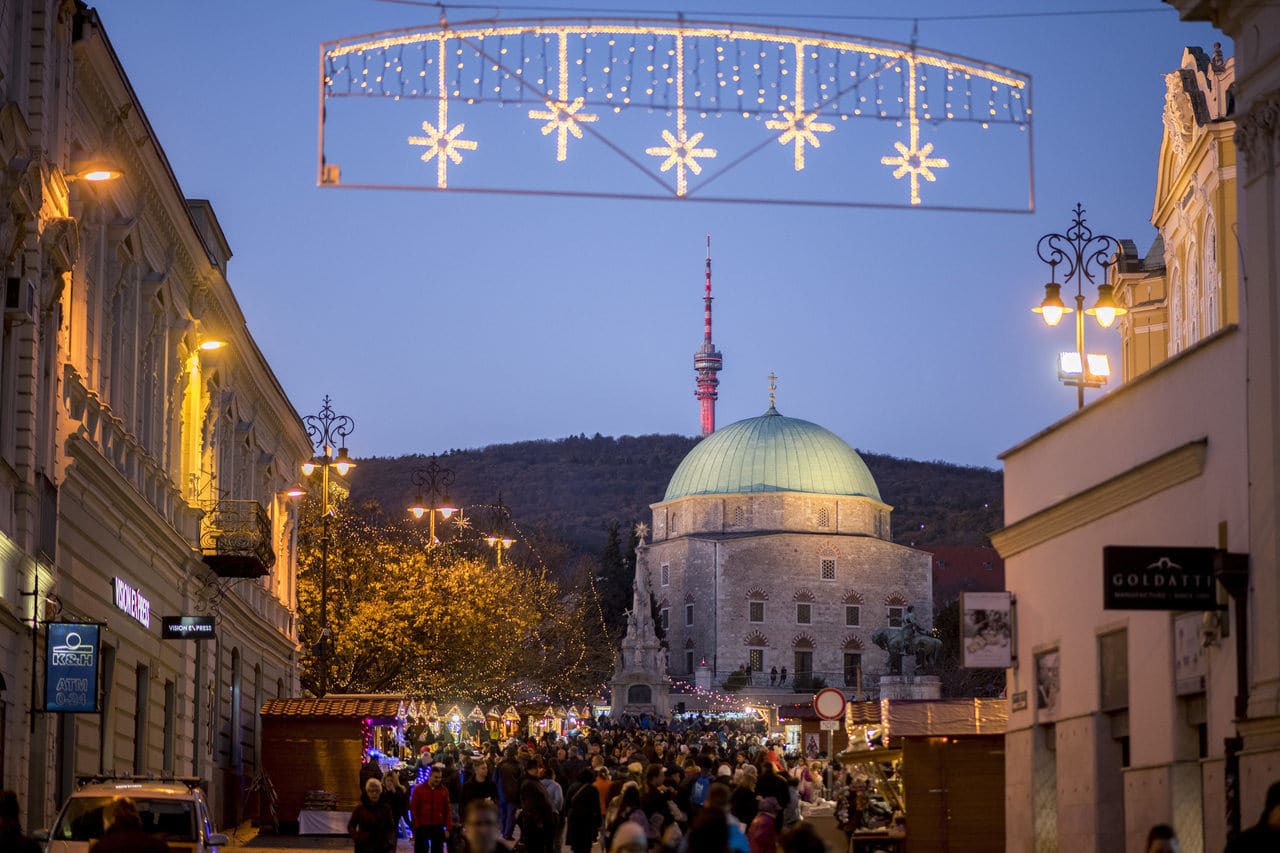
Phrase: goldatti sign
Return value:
(1155, 578)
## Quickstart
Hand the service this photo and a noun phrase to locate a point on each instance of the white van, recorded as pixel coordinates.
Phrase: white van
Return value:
(172, 809)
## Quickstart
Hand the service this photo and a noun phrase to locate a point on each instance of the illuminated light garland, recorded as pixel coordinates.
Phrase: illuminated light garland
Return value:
(913, 159)
(562, 116)
(442, 145)
(800, 127)
(681, 150)
(617, 77)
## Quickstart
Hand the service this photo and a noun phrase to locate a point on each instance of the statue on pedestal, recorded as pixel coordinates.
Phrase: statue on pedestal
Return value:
(910, 639)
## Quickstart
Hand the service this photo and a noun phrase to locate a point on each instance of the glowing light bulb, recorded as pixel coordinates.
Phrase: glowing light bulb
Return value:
(1052, 315)
(1106, 316)
(308, 468)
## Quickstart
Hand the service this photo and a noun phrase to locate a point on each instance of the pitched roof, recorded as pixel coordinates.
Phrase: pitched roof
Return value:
(337, 705)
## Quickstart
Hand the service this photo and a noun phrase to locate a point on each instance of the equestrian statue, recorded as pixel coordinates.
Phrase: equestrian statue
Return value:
(910, 639)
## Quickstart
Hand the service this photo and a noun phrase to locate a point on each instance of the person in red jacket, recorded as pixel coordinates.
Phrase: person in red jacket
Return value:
(432, 817)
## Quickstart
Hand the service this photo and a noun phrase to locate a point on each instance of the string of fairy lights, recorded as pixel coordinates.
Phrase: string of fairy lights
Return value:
(569, 76)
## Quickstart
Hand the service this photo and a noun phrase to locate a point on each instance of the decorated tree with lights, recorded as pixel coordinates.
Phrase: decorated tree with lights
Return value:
(443, 622)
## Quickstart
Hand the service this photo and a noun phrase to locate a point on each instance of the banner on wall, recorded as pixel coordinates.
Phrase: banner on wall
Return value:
(72, 657)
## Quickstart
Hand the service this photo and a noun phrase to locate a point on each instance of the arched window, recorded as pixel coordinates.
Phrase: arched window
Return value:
(739, 516)
(1212, 278)
(824, 517)
(1175, 309)
(1191, 304)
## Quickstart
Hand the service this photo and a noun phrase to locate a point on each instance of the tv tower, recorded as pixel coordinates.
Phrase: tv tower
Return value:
(707, 361)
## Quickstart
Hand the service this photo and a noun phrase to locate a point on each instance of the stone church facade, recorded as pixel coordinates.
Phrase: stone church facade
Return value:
(771, 549)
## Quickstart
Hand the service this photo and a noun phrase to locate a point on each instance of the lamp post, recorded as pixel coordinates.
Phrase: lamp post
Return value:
(328, 428)
(432, 480)
(498, 538)
(1083, 255)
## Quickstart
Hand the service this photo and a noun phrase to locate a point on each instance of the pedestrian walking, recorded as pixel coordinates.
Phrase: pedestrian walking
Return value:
(782, 677)
(397, 797)
(432, 815)
(1265, 834)
(539, 828)
(482, 827)
(762, 834)
(585, 817)
(773, 676)
(509, 777)
(12, 838)
(372, 826)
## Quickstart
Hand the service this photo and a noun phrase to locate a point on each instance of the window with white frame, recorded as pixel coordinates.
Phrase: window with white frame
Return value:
(828, 568)
(664, 618)
(666, 574)
(755, 611)
(895, 616)
(688, 615)
(804, 613)
(852, 615)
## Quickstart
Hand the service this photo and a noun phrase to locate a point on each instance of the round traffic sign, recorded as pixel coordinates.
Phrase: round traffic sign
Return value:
(828, 703)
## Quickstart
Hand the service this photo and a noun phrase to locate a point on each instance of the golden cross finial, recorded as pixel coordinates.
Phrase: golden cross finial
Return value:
(773, 388)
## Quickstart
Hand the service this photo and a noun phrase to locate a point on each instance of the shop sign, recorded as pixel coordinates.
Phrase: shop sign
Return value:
(132, 602)
(1154, 578)
(988, 630)
(1018, 700)
(71, 668)
(186, 628)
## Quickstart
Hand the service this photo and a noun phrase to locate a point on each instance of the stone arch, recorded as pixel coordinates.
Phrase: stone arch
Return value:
(803, 641)
(827, 550)
(852, 643)
(853, 597)
(688, 642)
(755, 638)
(688, 598)
(1212, 279)
(895, 599)
(757, 594)
(804, 595)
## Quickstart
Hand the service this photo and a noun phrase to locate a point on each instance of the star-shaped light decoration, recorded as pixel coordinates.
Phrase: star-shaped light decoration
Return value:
(914, 160)
(563, 118)
(442, 146)
(642, 530)
(681, 152)
(800, 128)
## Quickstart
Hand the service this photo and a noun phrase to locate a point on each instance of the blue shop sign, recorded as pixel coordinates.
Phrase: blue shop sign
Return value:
(71, 668)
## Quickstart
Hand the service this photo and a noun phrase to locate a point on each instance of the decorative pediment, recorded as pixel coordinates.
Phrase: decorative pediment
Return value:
(852, 644)
(853, 597)
(757, 594)
(895, 600)
(755, 638)
(802, 641)
(803, 595)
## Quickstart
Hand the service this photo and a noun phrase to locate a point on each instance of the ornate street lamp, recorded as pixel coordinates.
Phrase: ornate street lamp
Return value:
(498, 538)
(328, 428)
(1083, 255)
(432, 481)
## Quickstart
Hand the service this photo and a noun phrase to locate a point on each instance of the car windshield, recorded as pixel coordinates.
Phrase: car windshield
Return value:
(82, 819)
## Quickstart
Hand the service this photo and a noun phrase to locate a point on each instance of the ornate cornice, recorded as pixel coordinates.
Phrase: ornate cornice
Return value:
(1258, 133)
(1137, 484)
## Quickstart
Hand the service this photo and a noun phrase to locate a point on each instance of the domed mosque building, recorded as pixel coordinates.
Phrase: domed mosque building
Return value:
(771, 550)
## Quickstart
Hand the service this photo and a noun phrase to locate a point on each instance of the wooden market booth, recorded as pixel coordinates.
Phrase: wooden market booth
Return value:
(938, 763)
(312, 750)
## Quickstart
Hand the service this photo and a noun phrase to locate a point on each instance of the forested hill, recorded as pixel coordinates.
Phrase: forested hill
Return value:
(569, 489)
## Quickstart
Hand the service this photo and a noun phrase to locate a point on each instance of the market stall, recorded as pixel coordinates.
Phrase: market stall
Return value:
(313, 749)
(928, 771)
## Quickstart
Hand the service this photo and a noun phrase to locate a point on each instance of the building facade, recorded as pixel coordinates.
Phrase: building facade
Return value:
(1255, 31)
(145, 444)
(771, 550)
(1120, 718)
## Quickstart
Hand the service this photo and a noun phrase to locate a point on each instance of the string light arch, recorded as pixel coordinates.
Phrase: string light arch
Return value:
(683, 105)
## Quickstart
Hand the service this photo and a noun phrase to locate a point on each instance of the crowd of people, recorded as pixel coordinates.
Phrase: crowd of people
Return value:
(692, 786)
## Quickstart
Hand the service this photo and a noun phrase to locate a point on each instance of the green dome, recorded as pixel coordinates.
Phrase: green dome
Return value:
(772, 453)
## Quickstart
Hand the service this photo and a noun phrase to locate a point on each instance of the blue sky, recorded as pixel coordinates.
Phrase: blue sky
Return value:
(444, 320)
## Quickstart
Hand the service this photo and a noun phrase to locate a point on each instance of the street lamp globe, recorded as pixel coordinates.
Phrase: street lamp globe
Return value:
(1106, 309)
(1051, 308)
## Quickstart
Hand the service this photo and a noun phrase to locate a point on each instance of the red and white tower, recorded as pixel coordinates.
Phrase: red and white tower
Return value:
(707, 361)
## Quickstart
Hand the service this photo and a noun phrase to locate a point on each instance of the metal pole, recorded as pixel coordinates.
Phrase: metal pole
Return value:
(324, 575)
(35, 641)
(1080, 345)
(431, 528)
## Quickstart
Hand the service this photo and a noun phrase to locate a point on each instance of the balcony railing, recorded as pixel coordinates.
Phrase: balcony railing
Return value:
(235, 539)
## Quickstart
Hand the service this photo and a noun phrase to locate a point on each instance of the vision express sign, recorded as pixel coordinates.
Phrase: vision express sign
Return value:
(187, 628)
(1146, 578)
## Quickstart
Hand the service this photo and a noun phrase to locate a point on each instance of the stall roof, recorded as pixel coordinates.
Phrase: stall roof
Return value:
(336, 705)
(950, 717)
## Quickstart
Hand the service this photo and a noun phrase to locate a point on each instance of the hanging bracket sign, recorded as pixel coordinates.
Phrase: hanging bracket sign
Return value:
(71, 668)
(1156, 578)
(187, 628)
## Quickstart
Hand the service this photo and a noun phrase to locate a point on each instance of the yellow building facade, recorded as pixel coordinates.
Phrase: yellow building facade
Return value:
(145, 445)
(1186, 287)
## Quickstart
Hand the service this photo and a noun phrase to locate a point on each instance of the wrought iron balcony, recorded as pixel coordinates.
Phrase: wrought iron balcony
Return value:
(235, 539)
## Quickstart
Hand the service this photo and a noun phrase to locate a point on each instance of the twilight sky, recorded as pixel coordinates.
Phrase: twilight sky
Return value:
(444, 320)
